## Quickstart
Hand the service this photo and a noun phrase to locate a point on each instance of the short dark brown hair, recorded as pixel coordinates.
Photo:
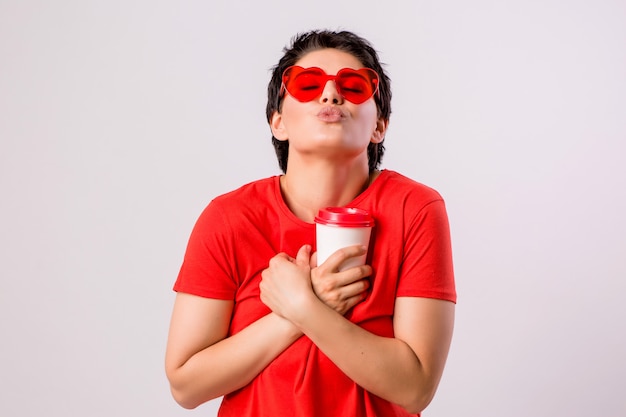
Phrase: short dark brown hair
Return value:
(344, 41)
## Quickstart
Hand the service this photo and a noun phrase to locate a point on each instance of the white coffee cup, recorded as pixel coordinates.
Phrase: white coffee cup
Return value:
(340, 227)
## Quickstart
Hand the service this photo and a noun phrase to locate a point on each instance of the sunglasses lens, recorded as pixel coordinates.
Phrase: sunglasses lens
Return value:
(305, 84)
(357, 86)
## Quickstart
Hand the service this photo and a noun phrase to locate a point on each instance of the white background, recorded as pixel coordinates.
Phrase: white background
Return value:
(120, 120)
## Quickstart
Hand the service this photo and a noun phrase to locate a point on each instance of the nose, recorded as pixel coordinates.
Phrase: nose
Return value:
(330, 95)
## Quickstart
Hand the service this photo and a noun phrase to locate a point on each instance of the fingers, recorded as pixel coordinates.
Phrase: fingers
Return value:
(344, 298)
(279, 258)
(340, 290)
(358, 288)
(335, 260)
(352, 275)
(350, 252)
(351, 302)
(303, 256)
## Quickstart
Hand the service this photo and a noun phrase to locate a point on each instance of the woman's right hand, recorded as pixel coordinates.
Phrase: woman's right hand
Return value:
(341, 290)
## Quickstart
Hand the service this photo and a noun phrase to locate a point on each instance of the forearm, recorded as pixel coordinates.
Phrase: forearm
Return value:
(386, 367)
(233, 362)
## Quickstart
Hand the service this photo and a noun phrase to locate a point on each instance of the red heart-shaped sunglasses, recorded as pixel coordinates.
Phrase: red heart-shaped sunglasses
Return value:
(306, 84)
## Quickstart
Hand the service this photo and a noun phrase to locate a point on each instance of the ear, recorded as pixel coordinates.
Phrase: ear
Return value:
(379, 131)
(278, 127)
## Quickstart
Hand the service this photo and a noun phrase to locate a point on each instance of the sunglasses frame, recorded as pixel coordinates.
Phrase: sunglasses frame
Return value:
(367, 73)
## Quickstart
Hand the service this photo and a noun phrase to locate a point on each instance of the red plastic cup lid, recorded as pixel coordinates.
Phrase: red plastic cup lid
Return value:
(344, 217)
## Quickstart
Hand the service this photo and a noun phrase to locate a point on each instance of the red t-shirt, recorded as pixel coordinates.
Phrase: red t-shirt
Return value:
(232, 243)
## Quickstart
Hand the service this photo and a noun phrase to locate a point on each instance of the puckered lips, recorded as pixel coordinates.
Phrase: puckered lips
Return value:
(330, 114)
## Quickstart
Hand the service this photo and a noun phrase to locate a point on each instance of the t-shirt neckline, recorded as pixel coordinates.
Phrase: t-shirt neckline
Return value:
(354, 203)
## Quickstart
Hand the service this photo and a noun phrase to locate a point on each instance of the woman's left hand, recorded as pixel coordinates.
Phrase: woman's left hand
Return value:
(286, 283)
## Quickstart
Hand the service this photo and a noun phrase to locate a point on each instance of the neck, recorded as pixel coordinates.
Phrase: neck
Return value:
(307, 189)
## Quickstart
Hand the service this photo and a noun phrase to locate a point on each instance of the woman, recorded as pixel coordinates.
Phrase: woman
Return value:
(257, 321)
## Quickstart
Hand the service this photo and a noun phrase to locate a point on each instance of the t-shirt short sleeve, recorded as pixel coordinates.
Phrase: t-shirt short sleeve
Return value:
(208, 268)
(427, 264)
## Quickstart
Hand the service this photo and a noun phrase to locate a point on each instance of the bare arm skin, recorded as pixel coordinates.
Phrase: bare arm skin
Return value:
(202, 363)
(405, 370)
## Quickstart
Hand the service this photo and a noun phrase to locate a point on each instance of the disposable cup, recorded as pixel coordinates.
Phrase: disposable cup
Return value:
(340, 227)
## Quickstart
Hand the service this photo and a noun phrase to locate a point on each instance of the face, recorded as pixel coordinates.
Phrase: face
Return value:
(329, 124)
